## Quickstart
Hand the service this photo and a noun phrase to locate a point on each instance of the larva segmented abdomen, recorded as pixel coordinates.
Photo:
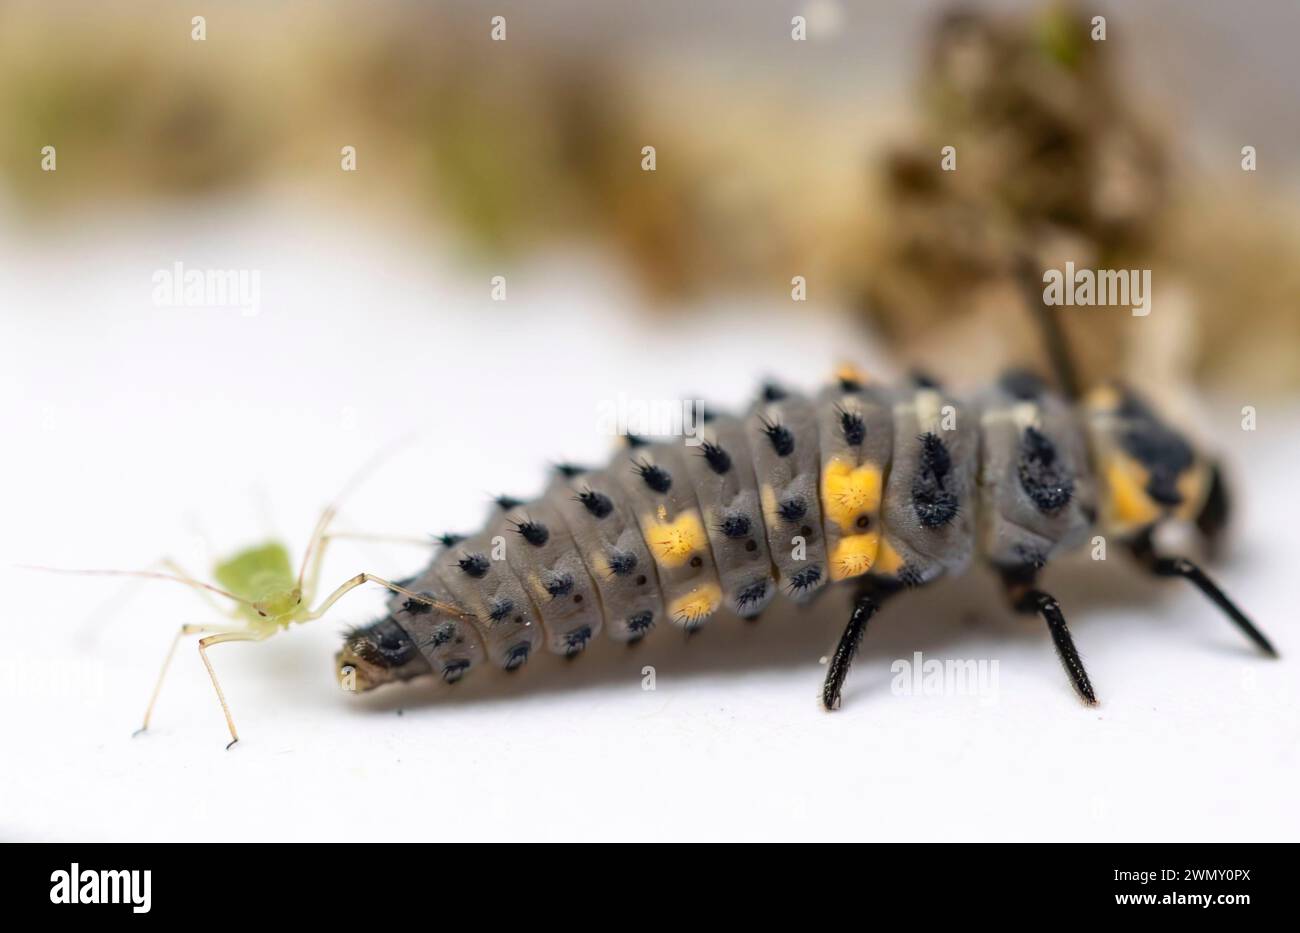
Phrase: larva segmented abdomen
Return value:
(796, 494)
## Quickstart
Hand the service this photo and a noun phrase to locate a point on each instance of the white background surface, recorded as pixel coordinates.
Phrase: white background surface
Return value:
(133, 431)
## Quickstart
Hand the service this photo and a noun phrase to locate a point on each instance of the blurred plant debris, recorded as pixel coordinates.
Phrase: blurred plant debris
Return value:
(1055, 163)
(542, 148)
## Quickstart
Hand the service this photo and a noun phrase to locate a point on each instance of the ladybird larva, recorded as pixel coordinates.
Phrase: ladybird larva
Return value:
(890, 488)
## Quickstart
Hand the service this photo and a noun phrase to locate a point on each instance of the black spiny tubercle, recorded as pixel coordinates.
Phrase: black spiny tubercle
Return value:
(454, 670)
(1042, 476)
(718, 459)
(805, 579)
(559, 584)
(751, 595)
(779, 436)
(736, 526)
(474, 565)
(596, 503)
(934, 505)
(654, 476)
(535, 533)
(793, 508)
(638, 623)
(576, 641)
(443, 634)
(517, 656)
(621, 563)
(852, 427)
(417, 607)
(1164, 454)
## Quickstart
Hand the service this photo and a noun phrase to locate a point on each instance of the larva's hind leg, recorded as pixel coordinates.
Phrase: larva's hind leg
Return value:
(1046, 605)
(867, 603)
(1158, 565)
(1026, 598)
(208, 642)
(162, 674)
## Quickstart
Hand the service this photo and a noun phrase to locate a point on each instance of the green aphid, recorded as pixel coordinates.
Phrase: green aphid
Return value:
(261, 574)
(265, 595)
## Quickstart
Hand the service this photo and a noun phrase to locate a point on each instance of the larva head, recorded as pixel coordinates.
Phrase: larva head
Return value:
(376, 654)
(1148, 472)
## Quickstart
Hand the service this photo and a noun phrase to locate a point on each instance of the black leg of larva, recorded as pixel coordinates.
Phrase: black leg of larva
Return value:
(1046, 605)
(863, 609)
(1162, 566)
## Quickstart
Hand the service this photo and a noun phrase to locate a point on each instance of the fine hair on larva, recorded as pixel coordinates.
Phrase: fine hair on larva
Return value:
(884, 488)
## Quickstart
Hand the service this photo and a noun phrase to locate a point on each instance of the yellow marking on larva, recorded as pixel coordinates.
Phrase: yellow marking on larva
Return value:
(888, 560)
(854, 555)
(929, 408)
(1026, 415)
(849, 493)
(662, 512)
(697, 605)
(847, 372)
(1128, 502)
(1103, 398)
(674, 543)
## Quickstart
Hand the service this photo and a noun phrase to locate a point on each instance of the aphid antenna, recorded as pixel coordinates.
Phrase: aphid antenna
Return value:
(139, 574)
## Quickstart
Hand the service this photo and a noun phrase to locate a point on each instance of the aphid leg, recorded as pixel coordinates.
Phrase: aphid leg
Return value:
(167, 662)
(1161, 566)
(1028, 599)
(868, 601)
(362, 578)
(311, 556)
(209, 641)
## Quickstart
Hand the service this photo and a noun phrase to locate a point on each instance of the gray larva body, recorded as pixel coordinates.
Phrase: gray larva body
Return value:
(892, 488)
